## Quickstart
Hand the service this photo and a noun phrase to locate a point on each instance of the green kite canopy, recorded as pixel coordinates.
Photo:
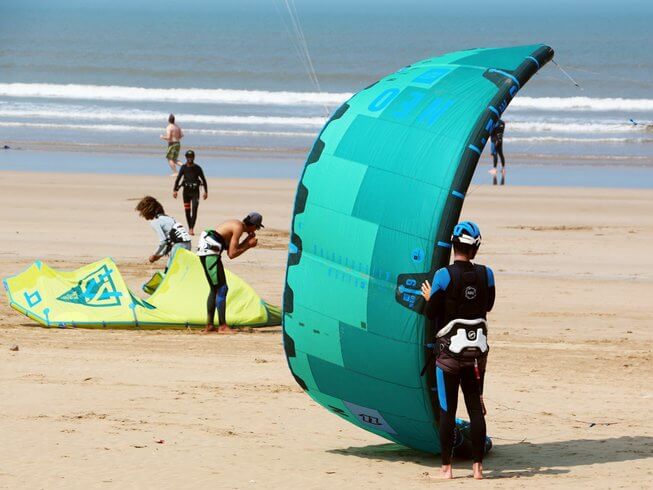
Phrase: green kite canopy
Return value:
(380, 194)
(96, 296)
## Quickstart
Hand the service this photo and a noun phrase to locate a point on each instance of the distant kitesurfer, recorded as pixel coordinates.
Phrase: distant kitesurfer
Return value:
(496, 137)
(225, 237)
(172, 235)
(173, 136)
(191, 177)
(457, 303)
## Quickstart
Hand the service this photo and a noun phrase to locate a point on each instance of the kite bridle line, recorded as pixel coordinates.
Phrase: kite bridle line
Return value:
(298, 39)
(567, 74)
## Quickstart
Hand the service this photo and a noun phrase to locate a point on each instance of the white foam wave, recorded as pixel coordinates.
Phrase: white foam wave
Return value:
(95, 113)
(582, 104)
(562, 139)
(146, 129)
(187, 95)
(283, 98)
(573, 127)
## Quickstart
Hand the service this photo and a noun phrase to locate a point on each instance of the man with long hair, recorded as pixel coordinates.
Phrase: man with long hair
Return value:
(172, 235)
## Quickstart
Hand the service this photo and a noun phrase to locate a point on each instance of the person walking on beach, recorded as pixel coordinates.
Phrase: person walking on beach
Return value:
(496, 138)
(173, 136)
(225, 237)
(191, 177)
(458, 302)
(172, 235)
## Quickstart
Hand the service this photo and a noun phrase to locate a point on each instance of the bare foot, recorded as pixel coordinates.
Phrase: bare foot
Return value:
(174, 174)
(503, 171)
(493, 171)
(226, 329)
(446, 472)
(477, 468)
(191, 232)
(209, 329)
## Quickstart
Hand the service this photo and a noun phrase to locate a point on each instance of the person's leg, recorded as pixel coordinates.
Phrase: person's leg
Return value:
(187, 197)
(195, 203)
(223, 289)
(172, 155)
(500, 153)
(493, 152)
(447, 385)
(209, 264)
(472, 390)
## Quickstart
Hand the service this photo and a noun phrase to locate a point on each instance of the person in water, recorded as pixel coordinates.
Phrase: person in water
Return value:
(172, 235)
(191, 177)
(496, 137)
(173, 136)
(226, 237)
(457, 303)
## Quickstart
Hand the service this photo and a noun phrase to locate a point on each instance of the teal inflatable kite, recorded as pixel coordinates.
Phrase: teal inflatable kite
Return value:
(381, 191)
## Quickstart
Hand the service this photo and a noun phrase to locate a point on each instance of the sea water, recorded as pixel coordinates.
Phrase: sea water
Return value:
(101, 77)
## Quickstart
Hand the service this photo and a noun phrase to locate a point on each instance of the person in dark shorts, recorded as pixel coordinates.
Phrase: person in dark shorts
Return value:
(496, 137)
(191, 177)
(458, 302)
(227, 236)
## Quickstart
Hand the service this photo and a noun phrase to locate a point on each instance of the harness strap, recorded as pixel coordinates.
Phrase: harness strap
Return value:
(447, 328)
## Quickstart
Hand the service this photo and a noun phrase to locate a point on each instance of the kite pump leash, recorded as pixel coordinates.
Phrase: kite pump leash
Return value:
(567, 74)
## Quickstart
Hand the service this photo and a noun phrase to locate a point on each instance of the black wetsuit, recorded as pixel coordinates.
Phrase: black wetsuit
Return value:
(193, 178)
(497, 142)
(460, 291)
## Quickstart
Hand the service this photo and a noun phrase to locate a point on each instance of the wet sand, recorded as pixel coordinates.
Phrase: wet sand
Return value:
(568, 387)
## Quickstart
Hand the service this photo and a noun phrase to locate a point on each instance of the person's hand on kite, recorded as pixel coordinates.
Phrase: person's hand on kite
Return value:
(426, 290)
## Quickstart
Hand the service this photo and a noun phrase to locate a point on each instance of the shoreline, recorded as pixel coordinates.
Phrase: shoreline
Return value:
(590, 173)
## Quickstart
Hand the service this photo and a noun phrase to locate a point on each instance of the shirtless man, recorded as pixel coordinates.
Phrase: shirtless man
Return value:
(173, 136)
(225, 237)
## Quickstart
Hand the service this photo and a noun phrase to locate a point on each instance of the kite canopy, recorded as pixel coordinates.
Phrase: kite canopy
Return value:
(380, 194)
(96, 296)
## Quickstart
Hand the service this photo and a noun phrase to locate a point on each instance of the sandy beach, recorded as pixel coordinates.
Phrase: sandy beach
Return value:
(568, 385)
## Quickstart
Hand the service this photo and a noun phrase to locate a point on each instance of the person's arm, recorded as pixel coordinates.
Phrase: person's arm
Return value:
(166, 137)
(163, 242)
(491, 291)
(435, 300)
(178, 181)
(236, 249)
(204, 183)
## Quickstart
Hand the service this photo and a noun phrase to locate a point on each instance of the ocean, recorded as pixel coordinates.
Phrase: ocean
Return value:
(101, 77)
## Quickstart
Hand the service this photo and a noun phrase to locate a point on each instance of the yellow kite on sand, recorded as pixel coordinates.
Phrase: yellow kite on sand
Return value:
(96, 296)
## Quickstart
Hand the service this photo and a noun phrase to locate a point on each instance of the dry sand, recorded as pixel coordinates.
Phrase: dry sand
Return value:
(568, 389)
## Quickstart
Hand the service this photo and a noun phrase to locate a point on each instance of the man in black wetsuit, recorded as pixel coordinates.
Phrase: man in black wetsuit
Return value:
(193, 178)
(458, 302)
(496, 137)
